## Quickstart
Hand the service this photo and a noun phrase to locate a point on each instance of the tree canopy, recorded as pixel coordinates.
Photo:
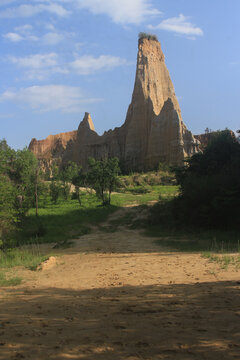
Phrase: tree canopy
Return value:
(210, 185)
(17, 186)
(102, 176)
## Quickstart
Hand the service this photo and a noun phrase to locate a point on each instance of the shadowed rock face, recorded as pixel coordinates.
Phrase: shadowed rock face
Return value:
(153, 130)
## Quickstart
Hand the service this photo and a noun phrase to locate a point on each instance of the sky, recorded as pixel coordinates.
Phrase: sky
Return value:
(62, 58)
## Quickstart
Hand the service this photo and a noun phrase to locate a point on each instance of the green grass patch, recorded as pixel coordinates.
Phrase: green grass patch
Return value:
(139, 197)
(68, 220)
(223, 260)
(190, 240)
(4, 281)
(162, 176)
(64, 221)
(28, 258)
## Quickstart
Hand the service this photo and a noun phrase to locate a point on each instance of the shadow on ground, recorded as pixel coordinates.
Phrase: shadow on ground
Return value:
(179, 322)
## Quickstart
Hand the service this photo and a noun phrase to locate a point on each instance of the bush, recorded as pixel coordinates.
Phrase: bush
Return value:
(140, 190)
(143, 35)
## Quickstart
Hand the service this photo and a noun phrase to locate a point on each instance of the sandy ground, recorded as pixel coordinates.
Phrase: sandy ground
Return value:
(119, 296)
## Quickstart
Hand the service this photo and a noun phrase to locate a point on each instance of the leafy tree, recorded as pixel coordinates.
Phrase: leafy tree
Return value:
(79, 180)
(102, 176)
(66, 175)
(17, 186)
(210, 185)
(55, 190)
(8, 215)
(22, 173)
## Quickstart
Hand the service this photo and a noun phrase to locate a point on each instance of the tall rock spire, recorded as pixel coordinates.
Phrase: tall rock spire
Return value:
(154, 128)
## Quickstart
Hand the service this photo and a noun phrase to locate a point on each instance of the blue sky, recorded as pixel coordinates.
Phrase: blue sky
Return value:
(60, 58)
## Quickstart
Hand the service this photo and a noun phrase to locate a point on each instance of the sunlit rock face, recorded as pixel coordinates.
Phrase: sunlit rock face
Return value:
(153, 131)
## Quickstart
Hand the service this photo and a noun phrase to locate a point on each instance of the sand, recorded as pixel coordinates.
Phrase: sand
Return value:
(121, 296)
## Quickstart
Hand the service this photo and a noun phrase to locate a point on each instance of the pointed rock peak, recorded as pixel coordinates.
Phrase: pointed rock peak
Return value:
(87, 122)
(148, 45)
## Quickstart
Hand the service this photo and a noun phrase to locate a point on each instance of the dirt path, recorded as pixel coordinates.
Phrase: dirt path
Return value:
(119, 296)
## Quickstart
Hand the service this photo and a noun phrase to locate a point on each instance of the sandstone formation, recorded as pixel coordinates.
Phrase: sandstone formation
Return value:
(153, 131)
(53, 145)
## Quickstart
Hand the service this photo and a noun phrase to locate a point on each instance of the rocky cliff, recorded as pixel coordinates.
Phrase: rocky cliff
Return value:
(153, 131)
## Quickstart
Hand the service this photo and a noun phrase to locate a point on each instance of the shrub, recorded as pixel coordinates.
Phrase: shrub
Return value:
(143, 35)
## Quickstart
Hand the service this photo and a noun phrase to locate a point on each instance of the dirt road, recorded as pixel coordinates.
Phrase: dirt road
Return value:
(119, 296)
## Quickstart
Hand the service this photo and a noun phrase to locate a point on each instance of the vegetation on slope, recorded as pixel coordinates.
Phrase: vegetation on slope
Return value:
(143, 35)
(205, 202)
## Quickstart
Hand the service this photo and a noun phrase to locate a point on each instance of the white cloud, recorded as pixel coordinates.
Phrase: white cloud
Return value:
(52, 38)
(21, 33)
(88, 64)
(121, 11)
(49, 98)
(37, 61)
(24, 29)
(180, 25)
(39, 66)
(14, 37)
(27, 10)
(50, 27)
(25, 32)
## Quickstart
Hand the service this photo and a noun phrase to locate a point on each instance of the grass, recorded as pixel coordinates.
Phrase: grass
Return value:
(223, 260)
(68, 220)
(28, 258)
(4, 281)
(64, 221)
(138, 198)
(188, 241)
(163, 176)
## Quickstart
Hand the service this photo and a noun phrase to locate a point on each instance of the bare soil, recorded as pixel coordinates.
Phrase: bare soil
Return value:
(121, 296)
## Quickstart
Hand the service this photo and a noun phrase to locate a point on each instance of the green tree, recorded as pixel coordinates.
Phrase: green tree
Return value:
(102, 176)
(79, 180)
(66, 175)
(17, 186)
(210, 185)
(55, 190)
(22, 173)
(55, 185)
(8, 215)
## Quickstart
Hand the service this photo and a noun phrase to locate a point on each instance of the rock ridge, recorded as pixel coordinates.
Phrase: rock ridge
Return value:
(153, 131)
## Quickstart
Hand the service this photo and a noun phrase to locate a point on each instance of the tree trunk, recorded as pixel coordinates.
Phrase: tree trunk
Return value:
(36, 192)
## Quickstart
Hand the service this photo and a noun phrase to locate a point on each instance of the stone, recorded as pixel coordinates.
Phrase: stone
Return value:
(153, 131)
